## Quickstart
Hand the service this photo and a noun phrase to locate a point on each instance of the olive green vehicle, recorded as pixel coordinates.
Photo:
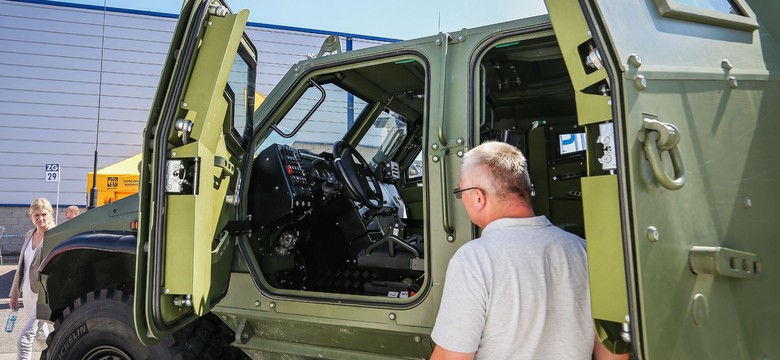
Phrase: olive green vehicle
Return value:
(321, 225)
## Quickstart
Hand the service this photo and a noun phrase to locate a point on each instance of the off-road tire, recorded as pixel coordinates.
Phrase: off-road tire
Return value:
(208, 338)
(99, 326)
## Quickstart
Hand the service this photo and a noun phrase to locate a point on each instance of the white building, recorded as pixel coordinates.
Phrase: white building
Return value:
(73, 74)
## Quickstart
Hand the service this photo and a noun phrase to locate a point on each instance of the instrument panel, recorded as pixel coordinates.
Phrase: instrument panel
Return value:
(287, 183)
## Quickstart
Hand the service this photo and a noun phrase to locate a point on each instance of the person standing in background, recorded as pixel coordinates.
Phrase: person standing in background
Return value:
(25, 282)
(71, 212)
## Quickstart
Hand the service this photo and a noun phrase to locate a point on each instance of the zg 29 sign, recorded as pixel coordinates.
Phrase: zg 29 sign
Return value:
(52, 172)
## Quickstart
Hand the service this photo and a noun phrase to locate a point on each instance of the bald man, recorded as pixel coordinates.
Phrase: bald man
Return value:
(72, 211)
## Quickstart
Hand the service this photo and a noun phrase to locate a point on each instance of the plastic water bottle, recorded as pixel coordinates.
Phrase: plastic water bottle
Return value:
(9, 325)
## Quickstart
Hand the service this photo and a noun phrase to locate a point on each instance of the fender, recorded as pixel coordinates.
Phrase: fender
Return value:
(86, 262)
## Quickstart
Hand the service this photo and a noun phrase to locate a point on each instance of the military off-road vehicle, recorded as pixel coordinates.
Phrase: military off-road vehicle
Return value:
(321, 225)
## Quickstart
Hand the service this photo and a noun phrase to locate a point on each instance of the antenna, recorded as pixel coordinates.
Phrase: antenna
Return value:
(93, 192)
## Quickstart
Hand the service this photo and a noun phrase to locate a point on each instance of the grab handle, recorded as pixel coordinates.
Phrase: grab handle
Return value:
(658, 137)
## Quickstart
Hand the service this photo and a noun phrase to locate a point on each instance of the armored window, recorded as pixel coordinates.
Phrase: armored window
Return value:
(726, 13)
(241, 93)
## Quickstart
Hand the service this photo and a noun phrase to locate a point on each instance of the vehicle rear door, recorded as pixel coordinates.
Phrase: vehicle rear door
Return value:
(680, 100)
(193, 147)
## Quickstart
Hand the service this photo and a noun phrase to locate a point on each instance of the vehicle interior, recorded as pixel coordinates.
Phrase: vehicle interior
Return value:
(337, 188)
(339, 223)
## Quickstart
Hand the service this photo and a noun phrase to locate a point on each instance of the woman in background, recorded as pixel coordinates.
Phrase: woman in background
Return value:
(26, 278)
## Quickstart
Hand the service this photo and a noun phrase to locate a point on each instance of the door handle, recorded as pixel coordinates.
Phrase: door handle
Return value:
(658, 137)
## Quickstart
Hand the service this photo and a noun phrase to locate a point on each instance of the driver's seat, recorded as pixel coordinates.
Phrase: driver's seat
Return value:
(394, 253)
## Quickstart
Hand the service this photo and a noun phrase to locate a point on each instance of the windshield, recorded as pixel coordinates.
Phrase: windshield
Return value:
(373, 105)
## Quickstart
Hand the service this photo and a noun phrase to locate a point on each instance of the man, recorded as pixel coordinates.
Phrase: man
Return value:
(521, 290)
(72, 211)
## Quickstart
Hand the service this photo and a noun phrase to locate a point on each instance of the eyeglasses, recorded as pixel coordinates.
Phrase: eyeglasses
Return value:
(457, 191)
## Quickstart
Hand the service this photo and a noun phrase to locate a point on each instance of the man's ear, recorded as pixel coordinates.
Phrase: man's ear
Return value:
(479, 199)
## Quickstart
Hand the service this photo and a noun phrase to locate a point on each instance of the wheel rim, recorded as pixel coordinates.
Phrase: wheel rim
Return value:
(107, 352)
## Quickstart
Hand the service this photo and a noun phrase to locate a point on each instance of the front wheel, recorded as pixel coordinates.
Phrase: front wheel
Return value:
(99, 326)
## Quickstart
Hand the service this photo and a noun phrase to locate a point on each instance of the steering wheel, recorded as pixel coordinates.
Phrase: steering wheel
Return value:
(354, 172)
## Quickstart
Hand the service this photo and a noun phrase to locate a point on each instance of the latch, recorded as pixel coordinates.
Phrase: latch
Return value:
(176, 177)
(224, 164)
(716, 260)
(606, 137)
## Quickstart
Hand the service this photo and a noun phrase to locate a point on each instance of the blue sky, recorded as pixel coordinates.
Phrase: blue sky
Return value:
(400, 19)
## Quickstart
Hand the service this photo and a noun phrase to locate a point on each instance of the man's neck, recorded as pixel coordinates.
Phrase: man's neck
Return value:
(507, 209)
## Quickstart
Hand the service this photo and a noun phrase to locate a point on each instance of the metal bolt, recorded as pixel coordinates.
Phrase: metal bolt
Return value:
(725, 64)
(625, 331)
(257, 303)
(609, 102)
(167, 291)
(438, 42)
(244, 336)
(640, 82)
(184, 104)
(435, 146)
(174, 153)
(272, 305)
(450, 238)
(747, 202)
(460, 153)
(417, 339)
(635, 60)
(459, 141)
(435, 159)
(700, 310)
(391, 316)
(224, 317)
(461, 38)
(652, 234)
(733, 83)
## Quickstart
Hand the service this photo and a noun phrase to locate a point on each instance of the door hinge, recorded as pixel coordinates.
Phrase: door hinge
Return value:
(716, 260)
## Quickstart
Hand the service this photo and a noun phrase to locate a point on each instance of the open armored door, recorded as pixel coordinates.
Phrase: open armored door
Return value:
(680, 101)
(193, 147)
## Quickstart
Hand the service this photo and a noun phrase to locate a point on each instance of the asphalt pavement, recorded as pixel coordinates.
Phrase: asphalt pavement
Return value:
(8, 340)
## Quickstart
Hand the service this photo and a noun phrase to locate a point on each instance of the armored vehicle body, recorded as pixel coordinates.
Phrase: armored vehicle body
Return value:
(321, 225)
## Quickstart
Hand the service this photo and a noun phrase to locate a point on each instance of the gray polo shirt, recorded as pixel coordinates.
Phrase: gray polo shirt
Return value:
(518, 292)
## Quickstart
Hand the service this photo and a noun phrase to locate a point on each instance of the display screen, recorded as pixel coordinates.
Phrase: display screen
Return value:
(569, 144)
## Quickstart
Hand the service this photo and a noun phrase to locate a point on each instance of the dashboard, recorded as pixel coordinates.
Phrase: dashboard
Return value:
(287, 184)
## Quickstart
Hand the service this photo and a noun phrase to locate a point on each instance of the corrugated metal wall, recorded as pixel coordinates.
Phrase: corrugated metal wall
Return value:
(51, 87)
